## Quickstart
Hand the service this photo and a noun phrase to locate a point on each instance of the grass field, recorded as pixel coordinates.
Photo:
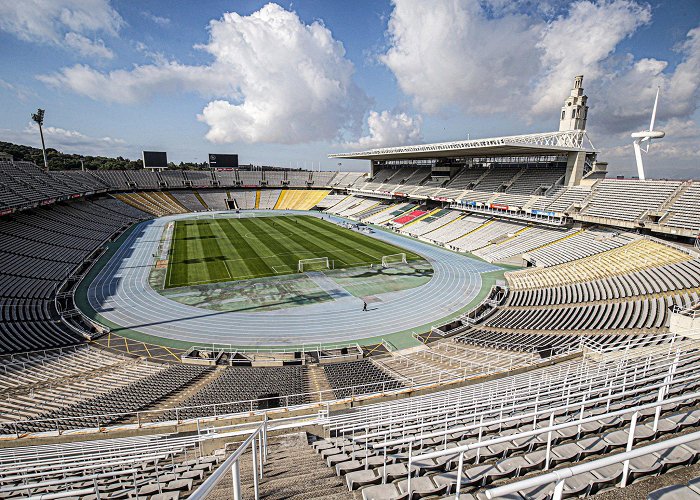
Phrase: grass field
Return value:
(211, 251)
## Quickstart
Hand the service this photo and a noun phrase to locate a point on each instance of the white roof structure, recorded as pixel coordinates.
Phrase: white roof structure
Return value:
(546, 143)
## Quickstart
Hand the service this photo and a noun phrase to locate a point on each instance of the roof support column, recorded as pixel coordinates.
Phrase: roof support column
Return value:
(574, 168)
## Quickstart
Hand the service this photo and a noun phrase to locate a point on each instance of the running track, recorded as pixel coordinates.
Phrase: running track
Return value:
(121, 294)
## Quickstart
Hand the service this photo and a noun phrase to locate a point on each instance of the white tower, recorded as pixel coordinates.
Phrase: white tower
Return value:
(645, 136)
(574, 112)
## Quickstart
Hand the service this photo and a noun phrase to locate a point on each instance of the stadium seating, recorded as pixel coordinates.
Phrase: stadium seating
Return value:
(158, 466)
(40, 248)
(330, 201)
(577, 246)
(242, 389)
(153, 202)
(627, 200)
(524, 241)
(487, 233)
(358, 377)
(299, 199)
(653, 204)
(189, 199)
(684, 210)
(268, 198)
(434, 221)
(245, 198)
(370, 447)
(408, 217)
(634, 256)
(152, 385)
(215, 199)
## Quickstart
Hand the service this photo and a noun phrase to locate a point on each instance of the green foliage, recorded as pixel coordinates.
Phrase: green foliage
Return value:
(64, 161)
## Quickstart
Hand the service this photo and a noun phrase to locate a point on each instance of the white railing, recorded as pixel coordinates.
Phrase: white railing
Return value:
(430, 377)
(576, 381)
(560, 476)
(257, 442)
(460, 451)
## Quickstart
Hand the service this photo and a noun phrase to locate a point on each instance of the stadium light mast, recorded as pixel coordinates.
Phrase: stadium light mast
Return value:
(646, 136)
(38, 117)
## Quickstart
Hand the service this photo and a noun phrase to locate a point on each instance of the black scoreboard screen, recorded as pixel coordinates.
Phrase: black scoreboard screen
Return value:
(223, 161)
(155, 159)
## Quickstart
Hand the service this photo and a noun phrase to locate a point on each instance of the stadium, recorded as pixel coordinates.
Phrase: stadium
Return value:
(490, 318)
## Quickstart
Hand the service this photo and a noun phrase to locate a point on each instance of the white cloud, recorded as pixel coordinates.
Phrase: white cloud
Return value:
(159, 20)
(497, 56)
(273, 79)
(87, 47)
(629, 94)
(390, 129)
(140, 83)
(62, 21)
(448, 54)
(579, 42)
(481, 57)
(69, 141)
(21, 92)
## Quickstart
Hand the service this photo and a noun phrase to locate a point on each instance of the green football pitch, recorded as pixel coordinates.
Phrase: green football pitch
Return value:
(228, 249)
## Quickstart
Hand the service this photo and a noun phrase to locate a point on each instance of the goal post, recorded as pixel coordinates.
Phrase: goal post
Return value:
(393, 259)
(314, 264)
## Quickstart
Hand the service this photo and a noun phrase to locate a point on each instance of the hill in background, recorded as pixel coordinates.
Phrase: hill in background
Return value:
(64, 161)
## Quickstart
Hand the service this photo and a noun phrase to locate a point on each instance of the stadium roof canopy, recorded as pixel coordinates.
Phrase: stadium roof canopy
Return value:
(547, 143)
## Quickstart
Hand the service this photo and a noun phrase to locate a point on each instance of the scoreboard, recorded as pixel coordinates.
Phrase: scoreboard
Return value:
(155, 159)
(223, 161)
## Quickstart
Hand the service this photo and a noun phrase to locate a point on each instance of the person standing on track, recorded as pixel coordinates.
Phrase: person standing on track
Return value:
(364, 306)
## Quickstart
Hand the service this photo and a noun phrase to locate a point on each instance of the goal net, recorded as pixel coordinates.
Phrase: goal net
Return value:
(393, 259)
(314, 264)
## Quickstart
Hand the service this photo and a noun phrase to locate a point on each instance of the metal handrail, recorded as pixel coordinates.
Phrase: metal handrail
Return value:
(357, 392)
(560, 476)
(258, 443)
(577, 404)
(360, 422)
(551, 428)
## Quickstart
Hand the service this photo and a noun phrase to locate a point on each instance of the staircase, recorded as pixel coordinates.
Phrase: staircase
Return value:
(293, 471)
(317, 383)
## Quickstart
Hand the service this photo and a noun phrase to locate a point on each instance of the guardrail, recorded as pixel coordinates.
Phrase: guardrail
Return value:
(526, 397)
(549, 430)
(560, 476)
(218, 411)
(257, 441)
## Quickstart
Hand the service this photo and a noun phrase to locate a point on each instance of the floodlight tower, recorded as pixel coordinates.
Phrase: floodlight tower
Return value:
(646, 136)
(38, 117)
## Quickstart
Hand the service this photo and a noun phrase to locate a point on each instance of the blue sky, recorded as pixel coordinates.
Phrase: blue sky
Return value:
(288, 83)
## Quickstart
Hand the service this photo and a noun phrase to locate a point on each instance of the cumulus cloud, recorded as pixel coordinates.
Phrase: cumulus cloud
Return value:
(272, 79)
(448, 53)
(494, 56)
(629, 93)
(390, 129)
(578, 42)
(73, 23)
(71, 141)
(294, 83)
